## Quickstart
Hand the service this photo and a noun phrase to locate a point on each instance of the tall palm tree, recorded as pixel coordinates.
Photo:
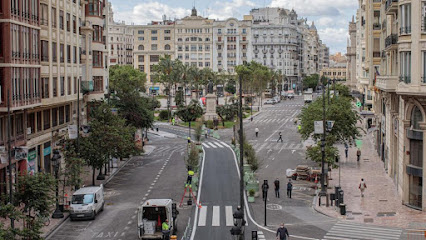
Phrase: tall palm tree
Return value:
(164, 74)
(196, 77)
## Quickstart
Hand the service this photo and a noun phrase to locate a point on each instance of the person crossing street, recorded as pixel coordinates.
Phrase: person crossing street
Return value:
(277, 188)
(280, 138)
(282, 232)
(257, 131)
(289, 188)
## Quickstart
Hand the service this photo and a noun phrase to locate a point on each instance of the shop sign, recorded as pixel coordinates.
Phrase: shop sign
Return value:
(72, 132)
(32, 162)
(47, 151)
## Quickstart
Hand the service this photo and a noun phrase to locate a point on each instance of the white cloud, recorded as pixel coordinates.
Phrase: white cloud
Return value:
(335, 38)
(223, 10)
(316, 7)
(144, 13)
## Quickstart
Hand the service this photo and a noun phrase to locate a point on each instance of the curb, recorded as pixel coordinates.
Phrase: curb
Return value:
(47, 234)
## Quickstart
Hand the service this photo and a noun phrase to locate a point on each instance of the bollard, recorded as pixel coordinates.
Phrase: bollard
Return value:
(342, 209)
(332, 198)
(173, 237)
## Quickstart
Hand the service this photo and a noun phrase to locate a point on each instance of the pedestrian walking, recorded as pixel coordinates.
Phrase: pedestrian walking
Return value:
(173, 121)
(282, 232)
(277, 188)
(362, 186)
(289, 188)
(346, 150)
(257, 131)
(265, 188)
(189, 178)
(358, 154)
(280, 138)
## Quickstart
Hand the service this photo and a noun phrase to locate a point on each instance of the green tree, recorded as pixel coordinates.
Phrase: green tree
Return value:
(165, 73)
(344, 130)
(230, 87)
(198, 130)
(125, 79)
(179, 98)
(197, 79)
(227, 112)
(34, 194)
(109, 136)
(191, 112)
(8, 211)
(73, 165)
(193, 158)
(311, 81)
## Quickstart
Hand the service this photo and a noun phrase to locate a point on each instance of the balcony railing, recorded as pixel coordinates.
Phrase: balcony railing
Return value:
(376, 26)
(405, 30)
(391, 39)
(387, 83)
(390, 3)
(405, 79)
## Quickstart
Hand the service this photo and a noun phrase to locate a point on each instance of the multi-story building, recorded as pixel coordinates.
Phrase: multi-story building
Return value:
(396, 71)
(351, 56)
(193, 40)
(276, 42)
(151, 42)
(232, 45)
(323, 56)
(43, 53)
(336, 72)
(120, 41)
(19, 80)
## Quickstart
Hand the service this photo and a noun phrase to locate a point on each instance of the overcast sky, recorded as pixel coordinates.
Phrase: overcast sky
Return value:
(330, 16)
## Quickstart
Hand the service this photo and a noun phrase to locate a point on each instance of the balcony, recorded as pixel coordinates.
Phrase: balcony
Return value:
(405, 30)
(405, 79)
(391, 42)
(387, 83)
(377, 26)
(391, 6)
(364, 80)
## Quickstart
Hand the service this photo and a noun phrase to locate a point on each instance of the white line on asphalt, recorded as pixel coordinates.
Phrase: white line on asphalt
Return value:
(247, 210)
(199, 194)
(136, 211)
(274, 133)
(229, 219)
(267, 166)
(203, 217)
(205, 145)
(263, 145)
(149, 190)
(134, 216)
(218, 144)
(126, 228)
(122, 234)
(216, 216)
(211, 145)
(144, 198)
(150, 187)
(129, 222)
(146, 195)
(291, 146)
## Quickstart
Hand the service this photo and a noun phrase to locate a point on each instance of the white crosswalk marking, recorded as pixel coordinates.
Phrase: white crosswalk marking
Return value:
(218, 144)
(205, 145)
(354, 231)
(228, 216)
(216, 216)
(211, 144)
(260, 235)
(203, 217)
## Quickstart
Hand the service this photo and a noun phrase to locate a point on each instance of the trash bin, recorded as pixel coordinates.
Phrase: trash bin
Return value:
(332, 197)
(342, 209)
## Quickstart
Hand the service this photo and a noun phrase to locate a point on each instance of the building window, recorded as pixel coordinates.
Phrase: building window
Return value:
(74, 24)
(61, 115)
(153, 38)
(75, 54)
(62, 85)
(68, 22)
(153, 31)
(46, 119)
(154, 58)
(424, 67)
(44, 51)
(61, 53)
(140, 32)
(54, 117)
(98, 85)
(69, 86)
(97, 59)
(45, 88)
(167, 47)
(44, 18)
(166, 38)
(142, 68)
(405, 67)
(94, 7)
(55, 86)
(405, 22)
(68, 53)
(67, 113)
(153, 46)
(61, 19)
(54, 17)
(140, 47)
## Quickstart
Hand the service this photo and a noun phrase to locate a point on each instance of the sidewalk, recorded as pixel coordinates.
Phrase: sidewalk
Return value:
(381, 204)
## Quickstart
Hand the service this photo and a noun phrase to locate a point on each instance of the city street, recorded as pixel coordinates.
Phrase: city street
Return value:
(157, 175)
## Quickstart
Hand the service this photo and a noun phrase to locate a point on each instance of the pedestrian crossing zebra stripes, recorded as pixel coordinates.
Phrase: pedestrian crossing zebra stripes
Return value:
(213, 145)
(355, 231)
(211, 216)
(274, 145)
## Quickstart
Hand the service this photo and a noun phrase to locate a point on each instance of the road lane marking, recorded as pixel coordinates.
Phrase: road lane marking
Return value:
(203, 217)
(205, 145)
(218, 144)
(229, 219)
(216, 216)
(278, 129)
(211, 144)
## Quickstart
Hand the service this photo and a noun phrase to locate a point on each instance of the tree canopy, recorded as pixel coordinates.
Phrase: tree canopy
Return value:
(311, 81)
(190, 112)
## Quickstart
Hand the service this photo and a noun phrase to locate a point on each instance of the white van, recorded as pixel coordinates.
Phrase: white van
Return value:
(151, 215)
(87, 202)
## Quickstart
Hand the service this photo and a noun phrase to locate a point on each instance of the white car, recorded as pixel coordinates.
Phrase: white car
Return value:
(270, 101)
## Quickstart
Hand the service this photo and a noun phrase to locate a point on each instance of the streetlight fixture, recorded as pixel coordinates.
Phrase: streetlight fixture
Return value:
(57, 163)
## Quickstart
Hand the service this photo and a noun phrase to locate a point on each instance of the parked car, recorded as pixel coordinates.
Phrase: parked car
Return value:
(290, 96)
(270, 101)
(277, 99)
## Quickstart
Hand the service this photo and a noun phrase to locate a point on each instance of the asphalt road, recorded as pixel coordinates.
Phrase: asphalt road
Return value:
(160, 174)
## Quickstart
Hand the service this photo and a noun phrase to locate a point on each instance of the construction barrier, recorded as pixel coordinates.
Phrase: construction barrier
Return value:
(416, 234)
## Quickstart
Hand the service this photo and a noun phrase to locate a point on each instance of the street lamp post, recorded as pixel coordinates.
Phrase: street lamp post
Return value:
(323, 190)
(241, 152)
(56, 163)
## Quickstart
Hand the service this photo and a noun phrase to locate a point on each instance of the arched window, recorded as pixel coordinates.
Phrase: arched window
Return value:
(140, 47)
(207, 39)
(200, 39)
(179, 39)
(167, 47)
(187, 39)
(416, 118)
